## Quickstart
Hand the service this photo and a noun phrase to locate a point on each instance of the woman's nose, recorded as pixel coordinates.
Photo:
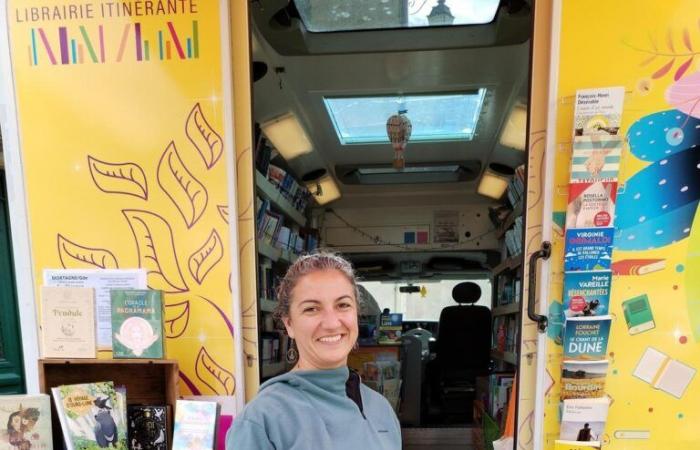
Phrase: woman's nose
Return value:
(330, 319)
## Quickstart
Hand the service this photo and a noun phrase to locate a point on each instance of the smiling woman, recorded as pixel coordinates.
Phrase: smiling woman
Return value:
(320, 404)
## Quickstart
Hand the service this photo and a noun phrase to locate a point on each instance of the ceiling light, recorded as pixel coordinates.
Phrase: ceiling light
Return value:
(515, 129)
(494, 181)
(287, 136)
(321, 186)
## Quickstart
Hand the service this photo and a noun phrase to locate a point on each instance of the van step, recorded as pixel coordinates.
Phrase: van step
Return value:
(437, 438)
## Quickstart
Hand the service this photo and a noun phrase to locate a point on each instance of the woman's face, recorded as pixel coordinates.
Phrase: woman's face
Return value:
(16, 422)
(323, 319)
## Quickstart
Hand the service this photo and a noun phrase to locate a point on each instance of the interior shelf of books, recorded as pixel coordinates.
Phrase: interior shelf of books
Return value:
(494, 391)
(103, 376)
(282, 234)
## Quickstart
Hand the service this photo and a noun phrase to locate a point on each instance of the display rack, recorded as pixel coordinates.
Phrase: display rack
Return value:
(147, 381)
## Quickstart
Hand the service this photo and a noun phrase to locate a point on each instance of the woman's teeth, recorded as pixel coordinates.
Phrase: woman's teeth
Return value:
(335, 338)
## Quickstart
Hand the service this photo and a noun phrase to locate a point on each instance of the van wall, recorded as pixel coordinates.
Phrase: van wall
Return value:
(650, 48)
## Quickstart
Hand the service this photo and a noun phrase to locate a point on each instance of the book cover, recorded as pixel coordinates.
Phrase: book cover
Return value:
(588, 249)
(573, 445)
(598, 111)
(663, 372)
(595, 158)
(68, 322)
(583, 419)
(390, 326)
(586, 338)
(92, 416)
(586, 293)
(583, 379)
(26, 422)
(638, 314)
(195, 425)
(137, 323)
(591, 204)
(147, 427)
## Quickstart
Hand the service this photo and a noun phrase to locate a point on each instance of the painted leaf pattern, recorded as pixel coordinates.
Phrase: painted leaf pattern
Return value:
(75, 256)
(118, 178)
(156, 250)
(206, 257)
(223, 212)
(207, 141)
(187, 193)
(215, 377)
(177, 317)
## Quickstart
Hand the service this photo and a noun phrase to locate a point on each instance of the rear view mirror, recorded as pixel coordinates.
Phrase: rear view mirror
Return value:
(410, 289)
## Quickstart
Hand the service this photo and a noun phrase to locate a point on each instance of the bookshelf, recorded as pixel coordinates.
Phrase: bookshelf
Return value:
(147, 381)
(267, 190)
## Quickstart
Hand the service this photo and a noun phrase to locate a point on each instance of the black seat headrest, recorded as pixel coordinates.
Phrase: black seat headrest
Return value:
(466, 292)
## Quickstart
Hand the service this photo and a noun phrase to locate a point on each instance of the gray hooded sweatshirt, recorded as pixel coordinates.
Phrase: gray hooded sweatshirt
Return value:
(316, 410)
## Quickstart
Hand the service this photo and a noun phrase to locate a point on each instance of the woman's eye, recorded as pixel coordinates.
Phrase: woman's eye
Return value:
(345, 305)
(310, 309)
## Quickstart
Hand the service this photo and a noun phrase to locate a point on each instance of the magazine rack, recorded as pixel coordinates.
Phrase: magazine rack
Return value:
(147, 381)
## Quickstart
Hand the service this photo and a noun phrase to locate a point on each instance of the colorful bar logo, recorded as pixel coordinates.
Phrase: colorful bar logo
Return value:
(78, 46)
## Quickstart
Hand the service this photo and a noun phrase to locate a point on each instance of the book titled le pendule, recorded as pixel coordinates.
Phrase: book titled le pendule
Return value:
(68, 322)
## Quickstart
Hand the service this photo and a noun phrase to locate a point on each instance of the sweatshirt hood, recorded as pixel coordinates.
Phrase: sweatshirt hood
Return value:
(331, 381)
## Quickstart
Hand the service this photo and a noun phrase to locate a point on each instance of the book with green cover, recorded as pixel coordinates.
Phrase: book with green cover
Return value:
(92, 416)
(137, 323)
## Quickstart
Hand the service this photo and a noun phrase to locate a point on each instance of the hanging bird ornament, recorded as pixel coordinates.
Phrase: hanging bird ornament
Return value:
(399, 127)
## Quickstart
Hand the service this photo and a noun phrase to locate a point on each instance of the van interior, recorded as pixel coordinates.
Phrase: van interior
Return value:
(394, 133)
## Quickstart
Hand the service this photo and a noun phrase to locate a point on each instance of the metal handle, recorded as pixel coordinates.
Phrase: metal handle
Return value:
(543, 253)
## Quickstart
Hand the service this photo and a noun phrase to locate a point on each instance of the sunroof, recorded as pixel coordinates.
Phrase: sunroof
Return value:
(362, 120)
(345, 15)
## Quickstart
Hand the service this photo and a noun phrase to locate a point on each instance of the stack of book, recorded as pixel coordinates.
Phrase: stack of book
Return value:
(590, 215)
(514, 238)
(516, 187)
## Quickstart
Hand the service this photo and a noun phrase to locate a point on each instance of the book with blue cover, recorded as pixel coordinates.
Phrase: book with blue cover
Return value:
(586, 338)
(588, 249)
(586, 293)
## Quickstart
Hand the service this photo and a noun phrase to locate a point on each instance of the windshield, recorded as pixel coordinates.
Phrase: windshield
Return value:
(424, 306)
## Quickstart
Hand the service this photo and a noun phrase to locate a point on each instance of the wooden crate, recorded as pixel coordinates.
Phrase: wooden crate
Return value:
(147, 381)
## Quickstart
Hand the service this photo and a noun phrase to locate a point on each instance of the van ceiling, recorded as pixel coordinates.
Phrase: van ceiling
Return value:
(304, 67)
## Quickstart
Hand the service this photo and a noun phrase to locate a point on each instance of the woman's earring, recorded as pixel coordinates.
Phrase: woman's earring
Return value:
(356, 346)
(292, 353)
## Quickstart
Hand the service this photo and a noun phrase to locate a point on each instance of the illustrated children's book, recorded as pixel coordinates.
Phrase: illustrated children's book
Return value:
(195, 425)
(591, 204)
(595, 158)
(583, 420)
(586, 293)
(664, 373)
(588, 249)
(583, 379)
(68, 322)
(638, 314)
(25, 422)
(147, 427)
(92, 416)
(137, 323)
(586, 338)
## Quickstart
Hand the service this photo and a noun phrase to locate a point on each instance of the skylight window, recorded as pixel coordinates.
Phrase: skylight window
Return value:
(346, 15)
(362, 120)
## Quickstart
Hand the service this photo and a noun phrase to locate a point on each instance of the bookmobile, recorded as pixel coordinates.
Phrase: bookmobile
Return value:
(515, 181)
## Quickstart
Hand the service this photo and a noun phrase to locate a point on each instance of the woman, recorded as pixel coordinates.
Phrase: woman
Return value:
(320, 404)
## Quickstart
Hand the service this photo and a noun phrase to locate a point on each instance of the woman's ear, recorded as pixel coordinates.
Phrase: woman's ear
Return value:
(288, 326)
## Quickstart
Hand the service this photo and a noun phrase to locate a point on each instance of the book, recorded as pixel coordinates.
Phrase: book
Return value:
(583, 379)
(390, 326)
(26, 422)
(137, 323)
(147, 427)
(583, 420)
(573, 445)
(588, 249)
(638, 266)
(595, 158)
(663, 372)
(92, 415)
(195, 425)
(598, 111)
(68, 327)
(638, 316)
(586, 293)
(586, 338)
(591, 204)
